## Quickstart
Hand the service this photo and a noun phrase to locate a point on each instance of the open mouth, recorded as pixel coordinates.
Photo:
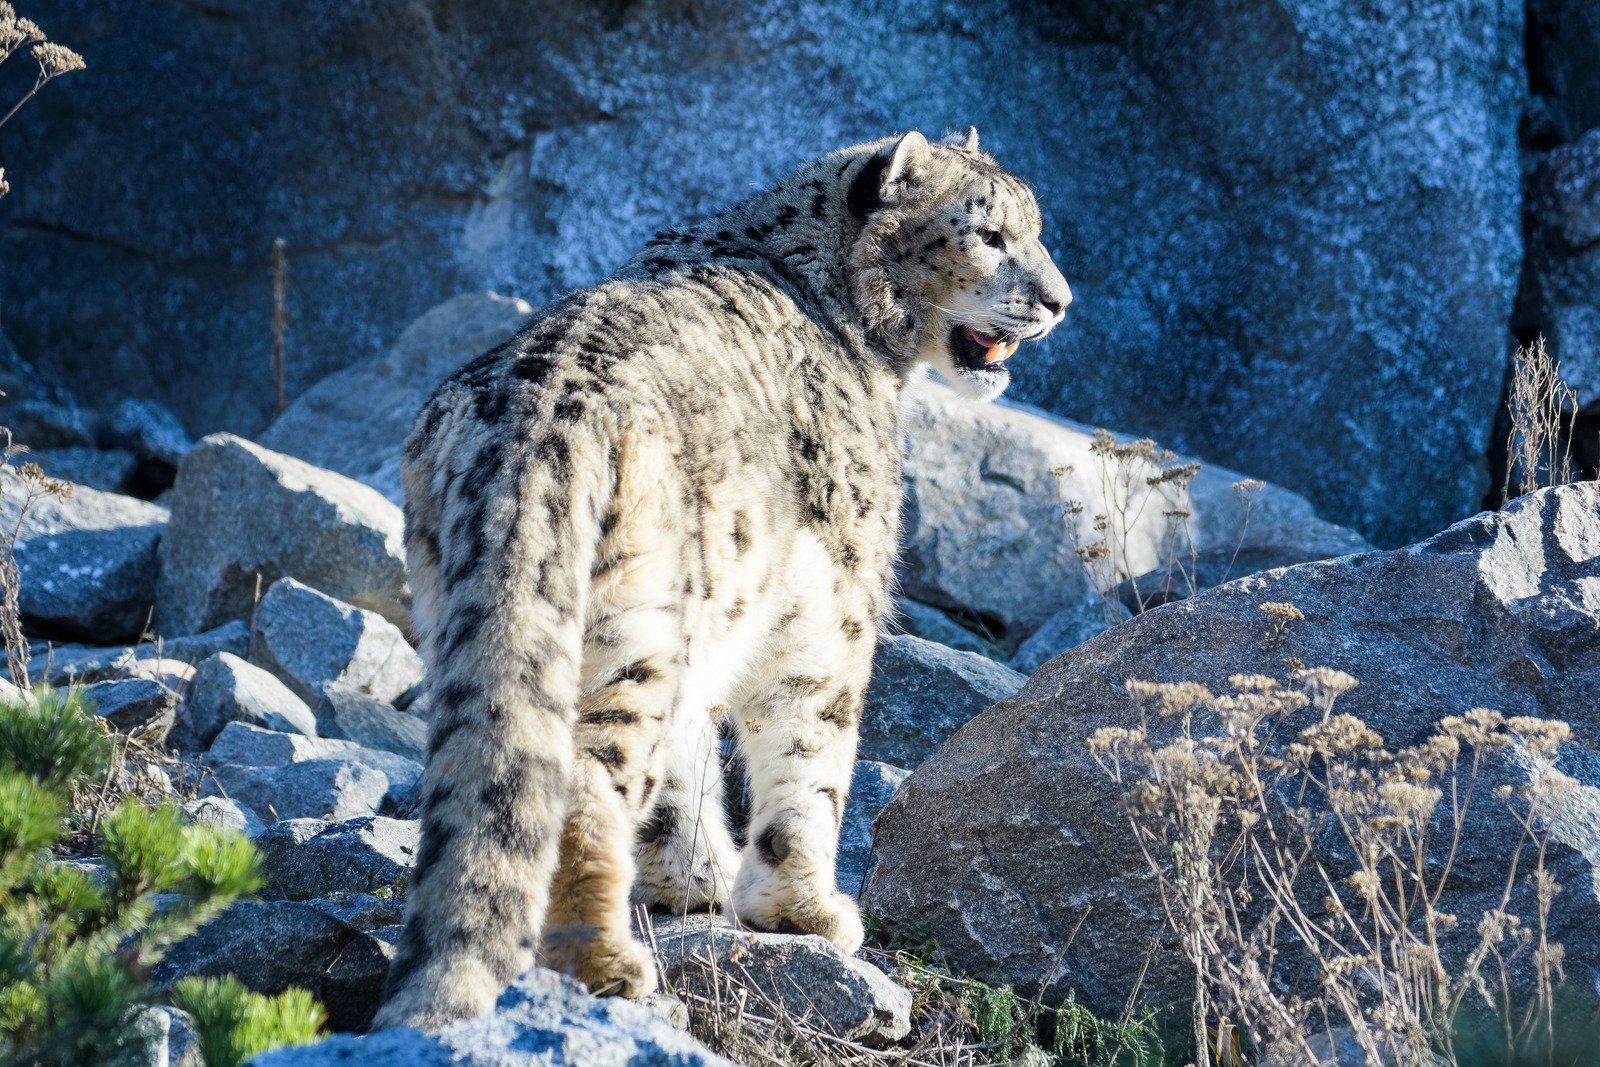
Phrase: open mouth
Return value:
(975, 350)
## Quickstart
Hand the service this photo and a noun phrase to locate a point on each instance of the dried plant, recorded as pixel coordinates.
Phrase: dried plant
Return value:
(54, 60)
(1543, 411)
(1130, 478)
(29, 484)
(956, 1021)
(1239, 827)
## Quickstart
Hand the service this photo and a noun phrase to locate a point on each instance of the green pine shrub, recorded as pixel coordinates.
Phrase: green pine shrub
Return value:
(235, 1024)
(77, 939)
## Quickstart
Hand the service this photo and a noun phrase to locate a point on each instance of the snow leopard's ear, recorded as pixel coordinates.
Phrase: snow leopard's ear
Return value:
(967, 142)
(908, 162)
(890, 175)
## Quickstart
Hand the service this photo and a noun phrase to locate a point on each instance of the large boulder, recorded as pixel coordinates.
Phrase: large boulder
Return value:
(306, 789)
(87, 563)
(228, 689)
(1004, 838)
(353, 421)
(244, 516)
(921, 692)
(311, 640)
(272, 945)
(543, 1020)
(305, 858)
(1286, 221)
(985, 531)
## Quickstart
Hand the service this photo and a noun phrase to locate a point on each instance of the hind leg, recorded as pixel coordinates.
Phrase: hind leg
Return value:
(800, 744)
(632, 668)
(687, 860)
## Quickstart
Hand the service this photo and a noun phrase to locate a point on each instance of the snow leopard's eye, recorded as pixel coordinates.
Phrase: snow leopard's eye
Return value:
(993, 238)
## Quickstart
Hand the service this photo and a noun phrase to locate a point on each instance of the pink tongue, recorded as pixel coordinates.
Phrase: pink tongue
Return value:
(982, 338)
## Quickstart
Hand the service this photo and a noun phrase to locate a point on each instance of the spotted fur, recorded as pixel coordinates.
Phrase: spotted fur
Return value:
(668, 495)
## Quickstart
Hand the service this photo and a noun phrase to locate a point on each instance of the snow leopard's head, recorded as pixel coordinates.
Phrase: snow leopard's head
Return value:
(949, 268)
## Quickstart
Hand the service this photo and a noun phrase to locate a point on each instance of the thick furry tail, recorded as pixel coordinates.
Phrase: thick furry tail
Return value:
(500, 535)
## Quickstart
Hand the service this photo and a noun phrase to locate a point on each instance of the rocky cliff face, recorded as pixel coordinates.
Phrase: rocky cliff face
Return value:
(1292, 225)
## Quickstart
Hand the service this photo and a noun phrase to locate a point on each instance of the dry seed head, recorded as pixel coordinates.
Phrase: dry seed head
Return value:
(1286, 612)
(1183, 473)
(1409, 802)
(1541, 736)
(56, 59)
(1170, 698)
(1259, 683)
(1113, 738)
(1249, 485)
(1323, 679)
(1341, 734)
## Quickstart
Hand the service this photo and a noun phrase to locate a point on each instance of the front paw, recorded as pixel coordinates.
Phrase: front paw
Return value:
(611, 965)
(828, 913)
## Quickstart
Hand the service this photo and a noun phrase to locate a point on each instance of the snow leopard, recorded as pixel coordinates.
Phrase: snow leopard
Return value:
(671, 502)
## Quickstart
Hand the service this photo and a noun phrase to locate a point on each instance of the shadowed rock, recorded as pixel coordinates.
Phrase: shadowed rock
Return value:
(1006, 836)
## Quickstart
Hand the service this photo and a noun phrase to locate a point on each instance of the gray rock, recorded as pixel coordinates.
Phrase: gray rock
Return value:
(354, 421)
(171, 1039)
(303, 859)
(150, 432)
(272, 945)
(46, 424)
(244, 745)
(175, 674)
(136, 706)
(803, 973)
(309, 640)
(1003, 838)
(364, 911)
(1285, 225)
(1066, 629)
(108, 470)
(224, 814)
(283, 837)
(921, 692)
(64, 664)
(352, 715)
(543, 1020)
(931, 624)
(243, 517)
(871, 787)
(87, 563)
(228, 689)
(668, 1008)
(308, 789)
(984, 530)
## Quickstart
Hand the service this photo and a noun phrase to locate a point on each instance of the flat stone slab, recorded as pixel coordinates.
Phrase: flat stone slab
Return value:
(802, 972)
